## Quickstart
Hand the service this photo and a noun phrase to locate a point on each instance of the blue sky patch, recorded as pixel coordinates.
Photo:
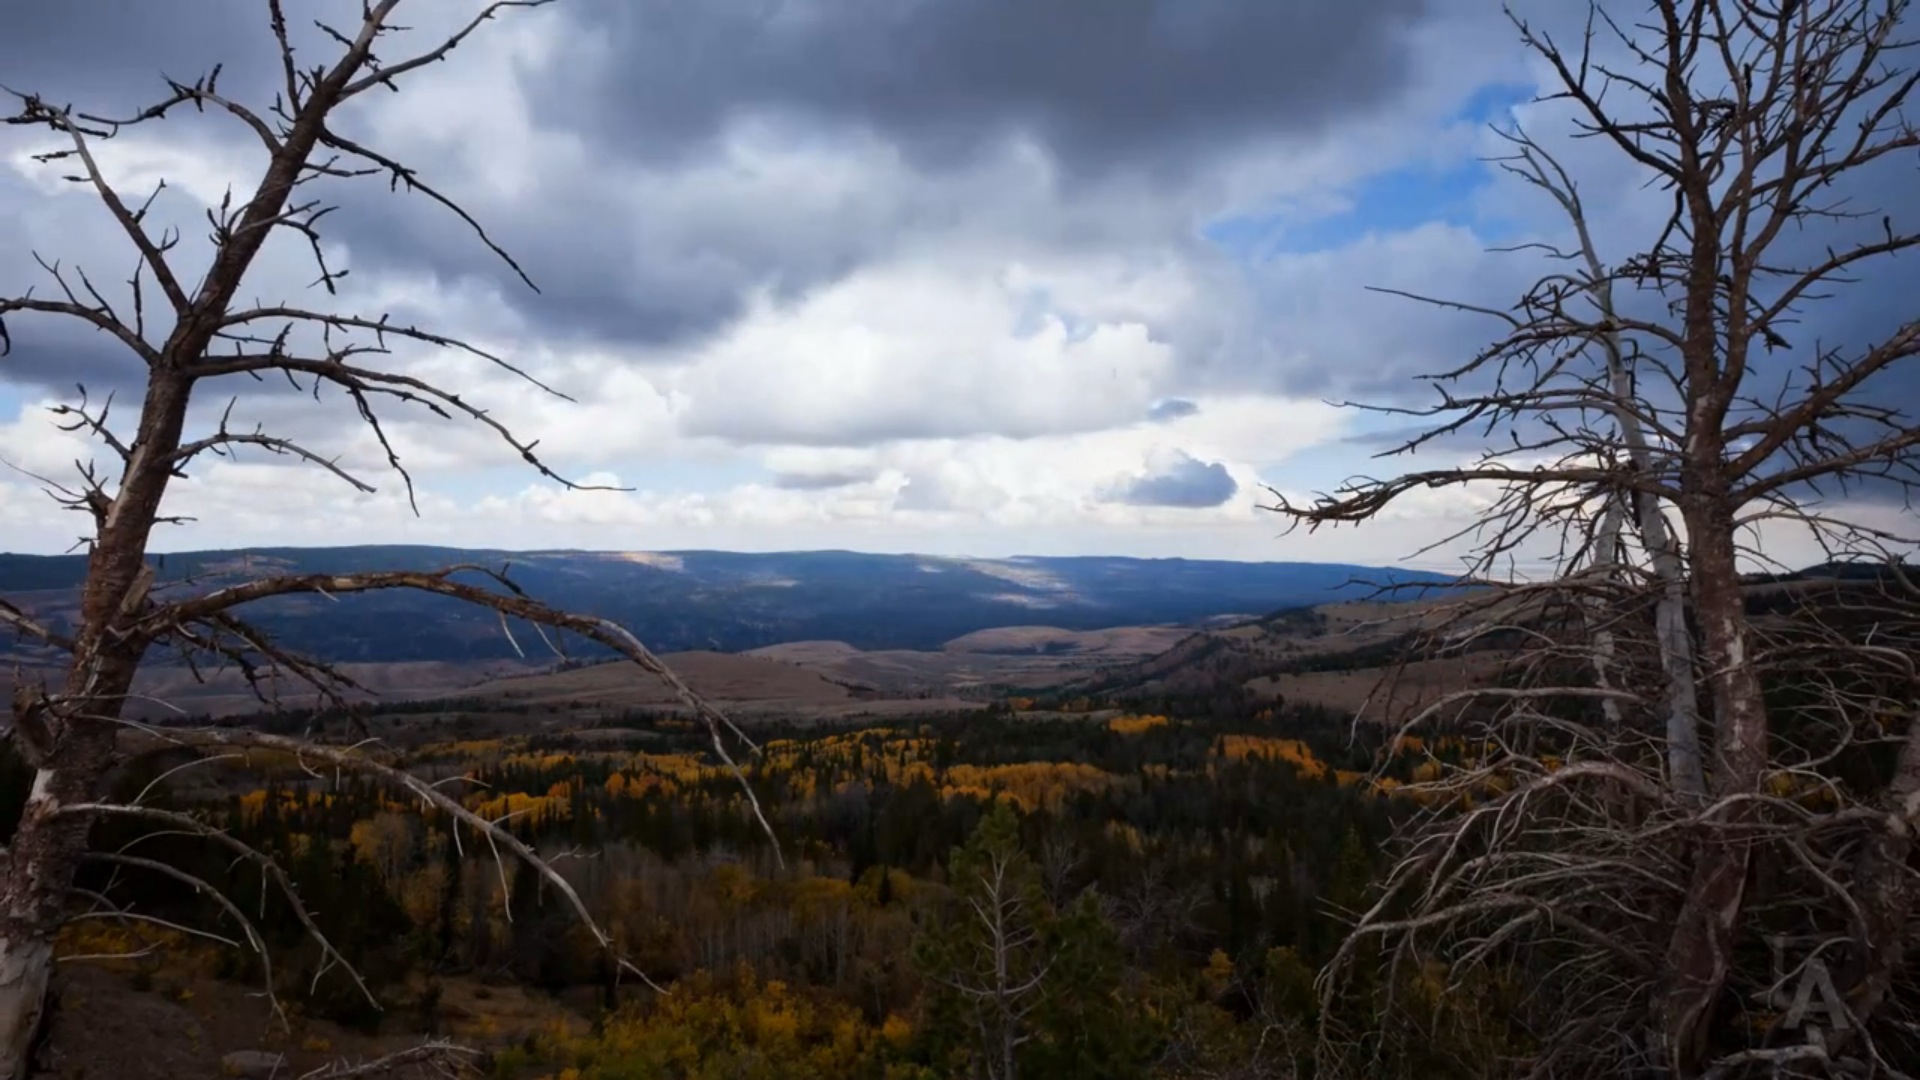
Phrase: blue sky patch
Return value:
(1389, 202)
(1397, 200)
(1495, 102)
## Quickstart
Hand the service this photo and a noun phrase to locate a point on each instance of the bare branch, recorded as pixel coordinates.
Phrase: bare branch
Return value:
(274, 443)
(200, 887)
(93, 316)
(514, 603)
(430, 795)
(448, 1057)
(36, 112)
(13, 616)
(184, 824)
(384, 75)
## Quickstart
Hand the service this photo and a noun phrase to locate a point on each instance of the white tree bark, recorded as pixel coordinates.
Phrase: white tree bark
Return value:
(1685, 770)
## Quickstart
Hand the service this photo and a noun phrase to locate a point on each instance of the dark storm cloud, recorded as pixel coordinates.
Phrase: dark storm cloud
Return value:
(99, 54)
(55, 356)
(55, 352)
(1099, 81)
(603, 276)
(1146, 87)
(1151, 85)
(1187, 483)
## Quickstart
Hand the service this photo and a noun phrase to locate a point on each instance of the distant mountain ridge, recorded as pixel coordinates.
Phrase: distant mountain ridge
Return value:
(725, 601)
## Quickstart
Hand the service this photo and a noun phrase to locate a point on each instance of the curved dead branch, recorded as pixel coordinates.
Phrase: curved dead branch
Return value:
(202, 888)
(449, 1059)
(350, 760)
(161, 619)
(187, 825)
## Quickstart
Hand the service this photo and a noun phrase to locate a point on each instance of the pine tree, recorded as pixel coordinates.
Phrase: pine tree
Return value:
(1017, 987)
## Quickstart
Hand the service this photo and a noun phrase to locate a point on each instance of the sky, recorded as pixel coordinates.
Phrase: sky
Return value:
(982, 277)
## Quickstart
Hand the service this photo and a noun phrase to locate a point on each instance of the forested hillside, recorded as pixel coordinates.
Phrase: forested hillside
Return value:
(1163, 888)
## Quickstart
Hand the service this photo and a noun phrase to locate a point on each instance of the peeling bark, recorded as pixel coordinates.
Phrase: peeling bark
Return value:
(26, 966)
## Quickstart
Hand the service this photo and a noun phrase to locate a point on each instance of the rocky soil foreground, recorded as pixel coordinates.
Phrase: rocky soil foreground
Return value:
(103, 1028)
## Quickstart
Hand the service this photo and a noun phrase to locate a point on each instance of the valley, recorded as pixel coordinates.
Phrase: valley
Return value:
(1188, 812)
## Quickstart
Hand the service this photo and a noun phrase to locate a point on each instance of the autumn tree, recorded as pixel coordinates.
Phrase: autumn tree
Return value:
(191, 332)
(1693, 813)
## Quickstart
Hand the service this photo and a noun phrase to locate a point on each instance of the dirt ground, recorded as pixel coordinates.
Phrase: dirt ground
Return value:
(104, 1029)
(719, 677)
(1381, 695)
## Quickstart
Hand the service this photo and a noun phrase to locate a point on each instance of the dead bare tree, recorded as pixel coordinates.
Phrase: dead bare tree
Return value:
(1670, 778)
(992, 958)
(73, 736)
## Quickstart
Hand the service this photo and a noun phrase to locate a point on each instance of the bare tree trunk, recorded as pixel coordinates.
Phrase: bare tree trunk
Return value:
(1003, 992)
(1685, 771)
(47, 848)
(48, 845)
(1684, 767)
(25, 966)
(1699, 954)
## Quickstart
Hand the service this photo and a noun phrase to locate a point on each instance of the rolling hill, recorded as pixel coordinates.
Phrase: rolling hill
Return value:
(1379, 660)
(722, 601)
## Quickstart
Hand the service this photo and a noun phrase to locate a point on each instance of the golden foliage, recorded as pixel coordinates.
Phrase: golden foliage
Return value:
(1292, 751)
(749, 1030)
(1217, 977)
(516, 804)
(1136, 725)
(1028, 784)
(389, 842)
(1126, 835)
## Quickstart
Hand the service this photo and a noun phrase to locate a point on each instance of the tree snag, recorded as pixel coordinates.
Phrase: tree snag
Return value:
(68, 734)
(1681, 763)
